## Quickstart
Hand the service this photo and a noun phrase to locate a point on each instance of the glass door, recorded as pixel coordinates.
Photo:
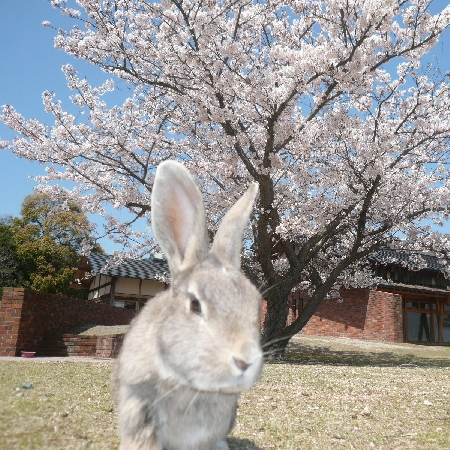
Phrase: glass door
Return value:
(446, 321)
(421, 320)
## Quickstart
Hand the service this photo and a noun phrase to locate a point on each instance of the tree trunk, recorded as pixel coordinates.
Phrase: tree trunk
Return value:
(276, 335)
(274, 344)
(298, 324)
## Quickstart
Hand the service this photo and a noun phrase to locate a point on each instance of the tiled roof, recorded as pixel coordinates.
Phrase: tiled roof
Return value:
(155, 268)
(144, 269)
(412, 260)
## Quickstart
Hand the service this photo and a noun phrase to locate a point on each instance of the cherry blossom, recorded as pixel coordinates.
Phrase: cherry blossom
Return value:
(326, 105)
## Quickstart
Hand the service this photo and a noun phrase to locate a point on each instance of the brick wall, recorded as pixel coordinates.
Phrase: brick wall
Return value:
(384, 318)
(340, 318)
(109, 346)
(362, 314)
(96, 346)
(36, 321)
(10, 316)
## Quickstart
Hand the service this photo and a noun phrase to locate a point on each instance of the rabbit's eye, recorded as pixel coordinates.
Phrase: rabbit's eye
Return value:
(196, 307)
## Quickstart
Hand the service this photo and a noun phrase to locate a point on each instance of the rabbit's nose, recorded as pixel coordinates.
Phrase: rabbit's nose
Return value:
(241, 364)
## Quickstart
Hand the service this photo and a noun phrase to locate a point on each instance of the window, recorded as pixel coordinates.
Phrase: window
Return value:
(421, 320)
(446, 328)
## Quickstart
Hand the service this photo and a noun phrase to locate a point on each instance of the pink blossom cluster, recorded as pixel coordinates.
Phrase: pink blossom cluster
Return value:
(325, 104)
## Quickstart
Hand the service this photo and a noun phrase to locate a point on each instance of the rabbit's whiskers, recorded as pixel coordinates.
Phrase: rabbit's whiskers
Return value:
(274, 341)
(176, 386)
(194, 397)
(165, 394)
(263, 293)
(269, 352)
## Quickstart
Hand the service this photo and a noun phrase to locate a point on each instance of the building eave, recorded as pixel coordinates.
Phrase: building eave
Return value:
(429, 290)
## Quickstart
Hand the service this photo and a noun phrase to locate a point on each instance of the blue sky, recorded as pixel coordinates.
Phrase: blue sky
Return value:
(29, 65)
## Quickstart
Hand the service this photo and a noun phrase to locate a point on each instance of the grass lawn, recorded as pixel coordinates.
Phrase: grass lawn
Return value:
(328, 394)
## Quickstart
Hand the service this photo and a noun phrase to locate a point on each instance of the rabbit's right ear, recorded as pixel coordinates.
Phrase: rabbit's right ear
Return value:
(178, 217)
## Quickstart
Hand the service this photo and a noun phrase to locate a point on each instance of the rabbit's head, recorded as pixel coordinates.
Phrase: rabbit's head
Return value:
(208, 336)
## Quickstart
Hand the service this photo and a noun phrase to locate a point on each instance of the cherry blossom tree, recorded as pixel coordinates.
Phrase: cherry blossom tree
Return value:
(327, 105)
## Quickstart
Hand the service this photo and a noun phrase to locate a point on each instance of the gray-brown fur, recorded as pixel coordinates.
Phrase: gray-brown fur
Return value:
(195, 347)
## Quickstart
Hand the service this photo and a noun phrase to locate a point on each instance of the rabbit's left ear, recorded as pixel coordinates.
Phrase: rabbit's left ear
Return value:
(227, 243)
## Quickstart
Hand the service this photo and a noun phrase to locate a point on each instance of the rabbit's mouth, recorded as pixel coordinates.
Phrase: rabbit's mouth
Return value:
(242, 380)
(230, 379)
(237, 389)
(242, 384)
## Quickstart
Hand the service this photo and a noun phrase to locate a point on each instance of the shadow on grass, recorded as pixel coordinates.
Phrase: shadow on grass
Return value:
(298, 353)
(241, 444)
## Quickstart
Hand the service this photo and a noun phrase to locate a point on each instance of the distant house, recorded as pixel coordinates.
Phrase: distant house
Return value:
(128, 285)
(411, 304)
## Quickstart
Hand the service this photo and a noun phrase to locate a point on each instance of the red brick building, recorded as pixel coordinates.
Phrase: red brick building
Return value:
(411, 304)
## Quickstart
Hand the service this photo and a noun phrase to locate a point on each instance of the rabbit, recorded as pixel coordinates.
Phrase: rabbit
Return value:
(195, 347)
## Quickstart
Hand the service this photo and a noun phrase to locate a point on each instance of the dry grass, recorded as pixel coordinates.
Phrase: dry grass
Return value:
(69, 406)
(328, 350)
(343, 407)
(330, 394)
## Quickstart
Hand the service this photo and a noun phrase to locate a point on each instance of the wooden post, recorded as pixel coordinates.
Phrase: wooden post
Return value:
(405, 319)
(432, 313)
(440, 312)
(138, 303)
(112, 292)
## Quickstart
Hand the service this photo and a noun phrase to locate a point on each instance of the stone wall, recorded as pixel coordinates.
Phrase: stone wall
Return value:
(36, 321)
